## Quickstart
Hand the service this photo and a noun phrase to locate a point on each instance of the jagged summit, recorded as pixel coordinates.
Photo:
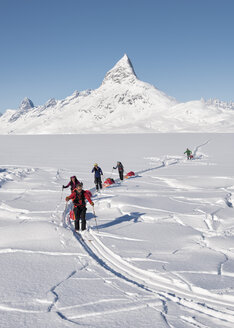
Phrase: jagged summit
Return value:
(24, 107)
(26, 104)
(51, 102)
(123, 71)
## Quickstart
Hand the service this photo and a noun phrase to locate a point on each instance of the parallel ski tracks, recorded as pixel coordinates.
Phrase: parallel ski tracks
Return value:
(215, 305)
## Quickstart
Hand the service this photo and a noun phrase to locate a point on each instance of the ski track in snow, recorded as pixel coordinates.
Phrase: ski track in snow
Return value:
(154, 283)
(27, 251)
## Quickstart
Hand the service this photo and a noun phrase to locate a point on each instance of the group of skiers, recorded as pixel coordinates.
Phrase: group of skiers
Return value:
(79, 196)
(98, 173)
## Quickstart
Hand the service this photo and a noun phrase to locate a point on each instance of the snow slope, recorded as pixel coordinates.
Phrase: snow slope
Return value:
(161, 254)
(122, 104)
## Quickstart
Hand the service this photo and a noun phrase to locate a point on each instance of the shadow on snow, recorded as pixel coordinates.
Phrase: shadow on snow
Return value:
(133, 216)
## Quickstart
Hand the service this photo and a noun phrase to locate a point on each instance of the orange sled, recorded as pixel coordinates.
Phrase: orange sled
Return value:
(108, 182)
(129, 174)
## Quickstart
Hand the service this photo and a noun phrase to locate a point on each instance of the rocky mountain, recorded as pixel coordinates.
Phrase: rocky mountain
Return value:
(25, 106)
(122, 104)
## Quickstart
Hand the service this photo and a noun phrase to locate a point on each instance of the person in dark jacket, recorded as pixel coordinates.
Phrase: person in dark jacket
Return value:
(79, 196)
(73, 183)
(120, 168)
(97, 176)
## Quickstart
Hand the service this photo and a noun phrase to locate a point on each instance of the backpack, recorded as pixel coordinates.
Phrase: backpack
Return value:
(80, 198)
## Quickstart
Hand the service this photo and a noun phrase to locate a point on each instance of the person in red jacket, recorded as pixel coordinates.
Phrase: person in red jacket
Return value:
(73, 183)
(79, 196)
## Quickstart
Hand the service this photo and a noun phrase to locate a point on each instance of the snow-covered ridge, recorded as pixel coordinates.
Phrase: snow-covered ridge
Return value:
(220, 104)
(122, 104)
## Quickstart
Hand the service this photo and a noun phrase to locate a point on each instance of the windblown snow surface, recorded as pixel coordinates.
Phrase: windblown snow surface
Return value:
(161, 254)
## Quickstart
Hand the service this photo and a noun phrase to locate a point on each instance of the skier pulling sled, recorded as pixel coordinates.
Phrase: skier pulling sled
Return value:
(120, 168)
(97, 176)
(71, 213)
(189, 154)
(79, 197)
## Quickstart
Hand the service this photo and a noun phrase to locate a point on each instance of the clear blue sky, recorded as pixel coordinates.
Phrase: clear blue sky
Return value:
(49, 48)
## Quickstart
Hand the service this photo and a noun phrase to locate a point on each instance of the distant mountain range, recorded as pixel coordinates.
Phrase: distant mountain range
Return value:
(122, 104)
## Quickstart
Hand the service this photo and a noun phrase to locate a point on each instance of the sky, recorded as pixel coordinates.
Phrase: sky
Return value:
(50, 48)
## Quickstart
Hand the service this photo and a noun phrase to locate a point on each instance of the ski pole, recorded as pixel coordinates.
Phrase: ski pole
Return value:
(111, 172)
(95, 219)
(61, 195)
(64, 214)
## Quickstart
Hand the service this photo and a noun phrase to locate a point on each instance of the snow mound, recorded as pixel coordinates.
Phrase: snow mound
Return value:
(10, 174)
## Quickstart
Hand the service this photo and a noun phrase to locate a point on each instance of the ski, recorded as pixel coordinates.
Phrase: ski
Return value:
(79, 233)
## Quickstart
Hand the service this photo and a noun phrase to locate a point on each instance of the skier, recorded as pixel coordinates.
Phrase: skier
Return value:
(97, 176)
(73, 183)
(78, 197)
(120, 169)
(189, 153)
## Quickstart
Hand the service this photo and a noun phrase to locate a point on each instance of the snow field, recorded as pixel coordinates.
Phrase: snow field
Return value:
(161, 254)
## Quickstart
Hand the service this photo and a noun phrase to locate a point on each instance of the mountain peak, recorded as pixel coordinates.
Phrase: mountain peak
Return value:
(26, 104)
(24, 107)
(123, 71)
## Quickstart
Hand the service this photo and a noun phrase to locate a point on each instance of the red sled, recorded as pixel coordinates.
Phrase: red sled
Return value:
(72, 215)
(109, 182)
(191, 157)
(129, 174)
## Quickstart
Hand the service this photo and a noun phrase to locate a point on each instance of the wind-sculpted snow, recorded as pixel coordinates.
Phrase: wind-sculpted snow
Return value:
(11, 174)
(159, 254)
(122, 104)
